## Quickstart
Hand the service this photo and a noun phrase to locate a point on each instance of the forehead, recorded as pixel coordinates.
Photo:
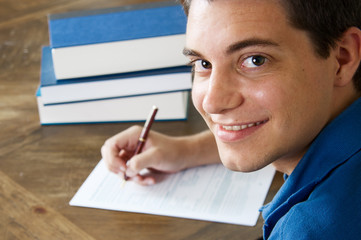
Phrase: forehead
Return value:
(221, 21)
(231, 11)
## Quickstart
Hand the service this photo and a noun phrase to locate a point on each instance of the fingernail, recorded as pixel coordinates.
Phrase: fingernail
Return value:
(149, 181)
(129, 173)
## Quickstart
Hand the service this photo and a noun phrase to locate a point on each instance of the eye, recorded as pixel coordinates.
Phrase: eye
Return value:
(254, 61)
(201, 65)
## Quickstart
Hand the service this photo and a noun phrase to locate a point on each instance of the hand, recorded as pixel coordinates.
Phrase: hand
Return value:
(160, 152)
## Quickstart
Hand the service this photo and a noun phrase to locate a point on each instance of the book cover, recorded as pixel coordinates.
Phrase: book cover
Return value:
(116, 24)
(110, 86)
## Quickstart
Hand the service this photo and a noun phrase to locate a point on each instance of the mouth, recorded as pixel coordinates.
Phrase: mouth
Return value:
(238, 132)
(242, 126)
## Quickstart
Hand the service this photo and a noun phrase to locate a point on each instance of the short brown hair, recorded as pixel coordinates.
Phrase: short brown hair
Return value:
(325, 21)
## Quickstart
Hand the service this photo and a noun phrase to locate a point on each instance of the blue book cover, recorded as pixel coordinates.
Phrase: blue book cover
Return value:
(47, 76)
(117, 24)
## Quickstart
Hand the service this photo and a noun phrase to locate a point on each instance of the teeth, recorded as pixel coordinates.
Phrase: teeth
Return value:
(232, 128)
(241, 127)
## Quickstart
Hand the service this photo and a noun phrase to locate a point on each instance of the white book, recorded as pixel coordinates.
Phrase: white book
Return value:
(118, 57)
(172, 106)
(113, 86)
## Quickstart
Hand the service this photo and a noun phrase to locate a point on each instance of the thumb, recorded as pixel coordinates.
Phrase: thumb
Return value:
(141, 161)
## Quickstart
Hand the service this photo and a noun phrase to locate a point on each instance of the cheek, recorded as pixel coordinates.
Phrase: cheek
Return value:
(268, 96)
(278, 103)
(261, 96)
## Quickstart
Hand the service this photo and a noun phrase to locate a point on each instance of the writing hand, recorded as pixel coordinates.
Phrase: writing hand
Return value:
(160, 152)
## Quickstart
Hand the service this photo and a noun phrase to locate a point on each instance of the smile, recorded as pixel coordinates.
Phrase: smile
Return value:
(243, 126)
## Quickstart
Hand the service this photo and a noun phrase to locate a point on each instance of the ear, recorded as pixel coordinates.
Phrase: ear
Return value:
(348, 53)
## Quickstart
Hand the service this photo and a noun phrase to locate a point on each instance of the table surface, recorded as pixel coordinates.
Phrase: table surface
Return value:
(41, 167)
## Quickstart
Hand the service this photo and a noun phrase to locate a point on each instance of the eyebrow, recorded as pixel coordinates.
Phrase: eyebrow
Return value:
(236, 46)
(249, 43)
(188, 52)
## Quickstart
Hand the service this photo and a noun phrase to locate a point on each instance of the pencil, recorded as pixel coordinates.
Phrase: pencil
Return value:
(144, 134)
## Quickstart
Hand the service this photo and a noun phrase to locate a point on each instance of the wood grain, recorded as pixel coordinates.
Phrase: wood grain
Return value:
(26, 217)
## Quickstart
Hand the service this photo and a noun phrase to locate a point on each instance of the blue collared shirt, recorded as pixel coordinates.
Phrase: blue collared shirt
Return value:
(321, 199)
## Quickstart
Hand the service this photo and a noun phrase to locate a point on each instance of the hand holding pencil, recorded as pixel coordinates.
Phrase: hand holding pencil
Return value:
(126, 155)
(144, 134)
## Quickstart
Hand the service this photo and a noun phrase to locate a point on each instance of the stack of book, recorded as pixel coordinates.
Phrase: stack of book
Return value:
(112, 65)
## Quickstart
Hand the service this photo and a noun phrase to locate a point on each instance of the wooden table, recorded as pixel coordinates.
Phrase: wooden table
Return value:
(41, 167)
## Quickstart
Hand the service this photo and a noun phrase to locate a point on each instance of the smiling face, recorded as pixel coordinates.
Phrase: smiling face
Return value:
(258, 83)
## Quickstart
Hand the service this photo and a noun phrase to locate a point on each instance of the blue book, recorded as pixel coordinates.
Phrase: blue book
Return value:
(124, 39)
(172, 106)
(116, 24)
(111, 86)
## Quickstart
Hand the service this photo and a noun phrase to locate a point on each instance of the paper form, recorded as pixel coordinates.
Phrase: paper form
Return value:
(211, 193)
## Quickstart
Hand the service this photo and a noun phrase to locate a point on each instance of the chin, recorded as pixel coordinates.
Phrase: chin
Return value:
(240, 164)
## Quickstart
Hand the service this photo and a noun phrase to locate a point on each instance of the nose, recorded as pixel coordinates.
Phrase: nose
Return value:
(223, 93)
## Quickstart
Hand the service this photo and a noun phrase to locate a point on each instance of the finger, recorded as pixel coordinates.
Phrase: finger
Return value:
(141, 161)
(115, 150)
(111, 158)
(127, 139)
(142, 180)
(154, 160)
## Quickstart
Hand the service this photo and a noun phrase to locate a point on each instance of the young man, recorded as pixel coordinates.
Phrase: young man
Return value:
(277, 82)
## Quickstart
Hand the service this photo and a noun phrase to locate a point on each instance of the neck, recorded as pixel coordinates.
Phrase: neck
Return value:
(343, 97)
(288, 164)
